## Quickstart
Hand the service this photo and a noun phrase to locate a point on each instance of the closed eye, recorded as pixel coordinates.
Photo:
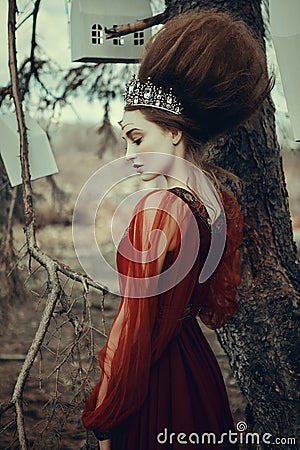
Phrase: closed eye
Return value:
(137, 141)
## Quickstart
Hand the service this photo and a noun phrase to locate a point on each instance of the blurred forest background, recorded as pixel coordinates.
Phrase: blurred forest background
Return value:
(66, 367)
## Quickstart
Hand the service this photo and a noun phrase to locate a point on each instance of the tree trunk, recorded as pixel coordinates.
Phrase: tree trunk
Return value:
(261, 340)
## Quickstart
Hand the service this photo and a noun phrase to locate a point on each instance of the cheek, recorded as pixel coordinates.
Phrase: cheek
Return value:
(157, 142)
(155, 163)
(161, 163)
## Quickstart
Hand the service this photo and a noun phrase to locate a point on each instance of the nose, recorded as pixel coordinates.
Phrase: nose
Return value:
(130, 156)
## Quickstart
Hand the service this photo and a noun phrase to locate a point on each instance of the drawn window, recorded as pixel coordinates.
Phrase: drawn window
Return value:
(118, 40)
(97, 34)
(138, 38)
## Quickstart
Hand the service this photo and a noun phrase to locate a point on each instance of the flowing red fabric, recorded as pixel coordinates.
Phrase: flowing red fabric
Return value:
(145, 326)
(221, 301)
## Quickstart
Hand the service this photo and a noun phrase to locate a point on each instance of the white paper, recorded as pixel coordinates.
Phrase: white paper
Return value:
(285, 30)
(40, 155)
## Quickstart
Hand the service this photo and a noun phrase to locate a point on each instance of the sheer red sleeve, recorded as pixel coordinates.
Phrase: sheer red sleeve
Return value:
(126, 357)
(221, 302)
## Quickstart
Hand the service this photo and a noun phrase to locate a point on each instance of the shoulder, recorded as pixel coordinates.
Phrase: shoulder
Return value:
(165, 211)
(161, 204)
(156, 197)
(160, 208)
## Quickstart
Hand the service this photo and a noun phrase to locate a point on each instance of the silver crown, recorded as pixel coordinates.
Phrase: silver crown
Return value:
(147, 94)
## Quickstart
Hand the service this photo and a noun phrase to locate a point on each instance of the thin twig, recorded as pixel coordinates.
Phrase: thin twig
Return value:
(103, 314)
(33, 66)
(5, 407)
(77, 276)
(72, 346)
(19, 24)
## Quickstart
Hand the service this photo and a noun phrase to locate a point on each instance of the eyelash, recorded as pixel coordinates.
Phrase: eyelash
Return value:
(136, 142)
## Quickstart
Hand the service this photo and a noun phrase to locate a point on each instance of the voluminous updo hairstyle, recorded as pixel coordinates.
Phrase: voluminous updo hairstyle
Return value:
(216, 68)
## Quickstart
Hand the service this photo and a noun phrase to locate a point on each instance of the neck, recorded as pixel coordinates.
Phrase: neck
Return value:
(178, 169)
(174, 182)
(182, 175)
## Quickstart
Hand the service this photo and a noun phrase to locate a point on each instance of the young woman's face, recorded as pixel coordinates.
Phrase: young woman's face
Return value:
(143, 136)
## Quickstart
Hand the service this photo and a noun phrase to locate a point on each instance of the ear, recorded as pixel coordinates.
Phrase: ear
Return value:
(176, 136)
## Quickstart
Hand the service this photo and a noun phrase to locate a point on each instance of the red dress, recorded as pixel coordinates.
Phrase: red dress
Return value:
(161, 386)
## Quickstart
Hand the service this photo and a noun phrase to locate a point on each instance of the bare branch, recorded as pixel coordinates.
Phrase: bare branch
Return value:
(33, 34)
(83, 279)
(29, 232)
(5, 407)
(20, 424)
(4, 91)
(33, 68)
(139, 25)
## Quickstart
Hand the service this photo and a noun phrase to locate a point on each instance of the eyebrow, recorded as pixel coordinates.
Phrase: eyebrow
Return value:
(130, 131)
(123, 126)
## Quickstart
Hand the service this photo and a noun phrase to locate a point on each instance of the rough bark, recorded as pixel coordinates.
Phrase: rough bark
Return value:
(261, 340)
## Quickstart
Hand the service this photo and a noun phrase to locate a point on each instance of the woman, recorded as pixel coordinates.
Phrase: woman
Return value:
(161, 386)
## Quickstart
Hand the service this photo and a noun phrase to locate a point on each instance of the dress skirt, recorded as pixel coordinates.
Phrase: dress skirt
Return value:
(186, 395)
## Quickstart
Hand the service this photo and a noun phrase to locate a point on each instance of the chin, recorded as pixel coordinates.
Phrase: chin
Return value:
(148, 176)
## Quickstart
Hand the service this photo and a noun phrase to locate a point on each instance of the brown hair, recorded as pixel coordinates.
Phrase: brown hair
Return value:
(217, 70)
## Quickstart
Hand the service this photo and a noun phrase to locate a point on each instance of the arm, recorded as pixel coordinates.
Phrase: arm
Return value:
(125, 360)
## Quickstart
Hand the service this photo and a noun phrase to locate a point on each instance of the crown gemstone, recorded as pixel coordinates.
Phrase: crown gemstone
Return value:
(147, 94)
